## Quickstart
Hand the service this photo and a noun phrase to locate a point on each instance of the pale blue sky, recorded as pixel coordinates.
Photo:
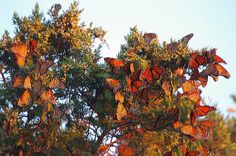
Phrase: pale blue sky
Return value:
(213, 23)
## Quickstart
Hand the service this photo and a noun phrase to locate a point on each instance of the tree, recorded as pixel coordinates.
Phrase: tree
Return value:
(57, 99)
(49, 93)
(223, 135)
(157, 89)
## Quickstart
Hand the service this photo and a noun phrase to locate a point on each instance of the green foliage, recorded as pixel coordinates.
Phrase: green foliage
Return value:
(78, 119)
(223, 138)
(57, 99)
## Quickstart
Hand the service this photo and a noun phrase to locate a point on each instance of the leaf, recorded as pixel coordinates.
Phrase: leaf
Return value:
(121, 111)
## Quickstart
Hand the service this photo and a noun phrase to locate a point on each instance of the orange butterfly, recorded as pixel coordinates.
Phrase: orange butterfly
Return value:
(167, 88)
(119, 96)
(186, 39)
(48, 96)
(37, 89)
(172, 47)
(56, 83)
(145, 94)
(179, 72)
(148, 37)
(210, 70)
(114, 62)
(133, 81)
(211, 55)
(190, 85)
(32, 45)
(43, 66)
(189, 130)
(17, 82)
(207, 123)
(151, 73)
(27, 83)
(113, 84)
(174, 114)
(200, 111)
(24, 99)
(128, 68)
(222, 71)
(196, 60)
(199, 76)
(20, 51)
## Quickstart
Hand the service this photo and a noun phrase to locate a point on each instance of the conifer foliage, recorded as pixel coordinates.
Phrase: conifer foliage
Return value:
(157, 88)
(57, 99)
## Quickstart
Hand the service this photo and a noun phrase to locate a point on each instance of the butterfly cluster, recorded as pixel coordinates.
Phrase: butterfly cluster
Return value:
(35, 86)
(173, 91)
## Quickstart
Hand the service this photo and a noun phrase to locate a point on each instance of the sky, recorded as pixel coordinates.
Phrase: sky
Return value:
(212, 22)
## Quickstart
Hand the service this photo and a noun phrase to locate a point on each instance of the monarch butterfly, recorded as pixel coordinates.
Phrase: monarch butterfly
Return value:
(222, 71)
(174, 114)
(43, 66)
(231, 110)
(179, 72)
(133, 81)
(129, 68)
(167, 88)
(196, 60)
(56, 83)
(121, 111)
(207, 123)
(113, 84)
(172, 47)
(27, 83)
(24, 99)
(148, 37)
(177, 124)
(189, 130)
(114, 62)
(190, 85)
(145, 94)
(20, 51)
(192, 153)
(199, 76)
(17, 81)
(119, 96)
(200, 111)
(48, 96)
(32, 45)
(211, 55)
(210, 70)
(192, 95)
(151, 73)
(186, 39)
(37, 89)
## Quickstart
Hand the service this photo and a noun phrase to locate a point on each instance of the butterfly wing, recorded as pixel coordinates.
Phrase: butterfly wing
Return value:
(27, 83)
(17, 82)
(56, 83)
(186, 39)
(222, 71)
(24, 99)
(20, 51)
(148, 37)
